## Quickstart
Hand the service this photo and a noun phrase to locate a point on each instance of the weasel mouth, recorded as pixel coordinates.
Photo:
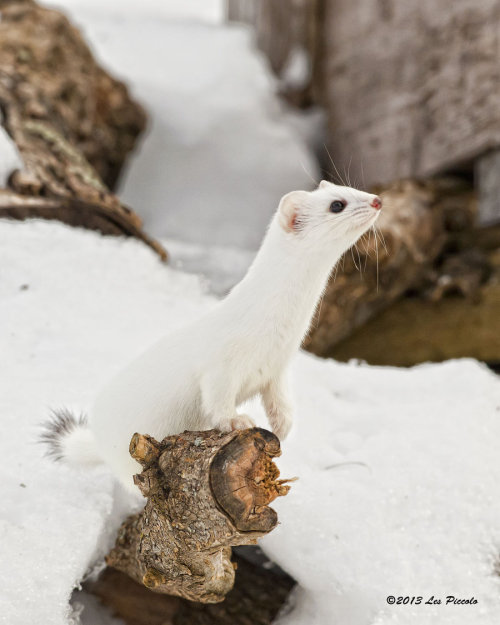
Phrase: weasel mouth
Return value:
(369, 221)
(372, 218)
(364, 223)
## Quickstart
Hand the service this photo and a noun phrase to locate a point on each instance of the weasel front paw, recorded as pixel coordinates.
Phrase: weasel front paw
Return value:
(242, 422)
(239, 422)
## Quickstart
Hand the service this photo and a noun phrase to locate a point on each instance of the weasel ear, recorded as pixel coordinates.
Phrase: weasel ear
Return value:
(324, 183)
(288, 210)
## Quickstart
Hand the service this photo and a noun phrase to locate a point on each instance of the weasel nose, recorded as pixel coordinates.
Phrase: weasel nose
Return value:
(376, 203)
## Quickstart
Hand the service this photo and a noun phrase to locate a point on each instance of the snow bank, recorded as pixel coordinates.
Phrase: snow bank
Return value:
(221, 149)
(220, 267)
(399, 474)
(398, 493)
(74, 307)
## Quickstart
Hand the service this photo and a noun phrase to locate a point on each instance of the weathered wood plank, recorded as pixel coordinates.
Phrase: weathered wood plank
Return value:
(410, 88)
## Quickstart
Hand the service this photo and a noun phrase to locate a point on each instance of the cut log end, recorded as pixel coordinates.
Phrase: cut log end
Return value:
(244, 480)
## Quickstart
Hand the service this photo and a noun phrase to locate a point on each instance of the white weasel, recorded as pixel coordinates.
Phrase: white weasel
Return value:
(196, 378)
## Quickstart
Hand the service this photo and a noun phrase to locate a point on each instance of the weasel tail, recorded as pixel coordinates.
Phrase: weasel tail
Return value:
(67, 437)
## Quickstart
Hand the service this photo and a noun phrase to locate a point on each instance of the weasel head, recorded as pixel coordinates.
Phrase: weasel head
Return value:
(330, 214)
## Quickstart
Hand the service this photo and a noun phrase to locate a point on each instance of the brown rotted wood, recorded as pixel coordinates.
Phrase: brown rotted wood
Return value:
(72, 123)
(206, 492)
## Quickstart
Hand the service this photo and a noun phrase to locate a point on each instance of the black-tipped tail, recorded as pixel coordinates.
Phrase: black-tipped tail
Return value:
(61, 424)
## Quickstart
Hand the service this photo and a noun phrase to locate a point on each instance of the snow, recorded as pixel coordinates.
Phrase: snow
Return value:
(398, 490)
(74, 307)
(221, 149)
(221, 267)
(10, 159)
(296, 73)
(410, 504)
(212, 11)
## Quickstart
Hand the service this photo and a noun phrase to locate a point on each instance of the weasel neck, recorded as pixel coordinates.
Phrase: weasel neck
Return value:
(283, 286)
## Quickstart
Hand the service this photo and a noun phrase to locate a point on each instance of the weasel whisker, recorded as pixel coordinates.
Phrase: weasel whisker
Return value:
(334, 166)
(376, 254)
(308, 173)
(382, 238)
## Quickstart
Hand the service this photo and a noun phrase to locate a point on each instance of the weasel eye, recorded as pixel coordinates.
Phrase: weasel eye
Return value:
(337, 206)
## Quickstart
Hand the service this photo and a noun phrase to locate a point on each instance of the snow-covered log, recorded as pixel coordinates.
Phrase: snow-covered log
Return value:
(67, 126)
(206, 492)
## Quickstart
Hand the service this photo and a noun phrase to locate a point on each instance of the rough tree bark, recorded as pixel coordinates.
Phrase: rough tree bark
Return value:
(73, 125)
(206, 492)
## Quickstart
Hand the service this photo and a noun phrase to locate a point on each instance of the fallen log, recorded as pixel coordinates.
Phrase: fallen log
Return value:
(260, 592)
(206, 492)
(71, 123)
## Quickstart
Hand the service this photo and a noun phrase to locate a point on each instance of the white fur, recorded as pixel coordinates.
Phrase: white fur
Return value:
(196, 378)
(78, 448)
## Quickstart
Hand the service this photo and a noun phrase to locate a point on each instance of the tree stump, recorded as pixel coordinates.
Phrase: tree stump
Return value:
(71, 123)
(206, 492)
